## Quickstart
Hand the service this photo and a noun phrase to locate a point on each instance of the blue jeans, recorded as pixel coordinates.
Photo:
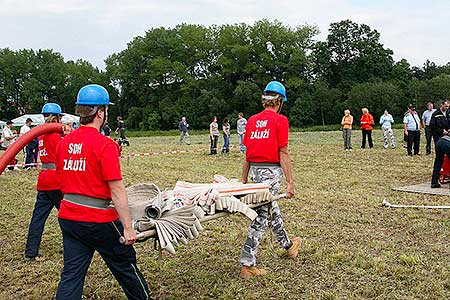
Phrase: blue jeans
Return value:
(226, 144)
(80, 240)
(241, 140)
(45, 201)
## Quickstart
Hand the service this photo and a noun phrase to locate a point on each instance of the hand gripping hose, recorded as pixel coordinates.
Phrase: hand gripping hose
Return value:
(25, 139)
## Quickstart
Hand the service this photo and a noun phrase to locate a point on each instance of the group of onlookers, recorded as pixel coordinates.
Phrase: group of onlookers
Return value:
(9, 136)
(214, 133)
(435, 122)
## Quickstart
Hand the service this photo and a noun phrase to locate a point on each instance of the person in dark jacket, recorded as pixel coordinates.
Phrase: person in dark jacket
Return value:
(183, 126)
(442, 149)
(439, 122)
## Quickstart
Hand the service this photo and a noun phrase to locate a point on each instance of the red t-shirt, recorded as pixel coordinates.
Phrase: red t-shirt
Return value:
(86, 161)
(266, 133)
(48, 180)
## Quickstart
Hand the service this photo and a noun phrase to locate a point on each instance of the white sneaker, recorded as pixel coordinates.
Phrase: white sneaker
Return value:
(346, 149)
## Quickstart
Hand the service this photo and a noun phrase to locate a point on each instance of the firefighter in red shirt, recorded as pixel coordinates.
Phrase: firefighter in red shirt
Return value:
(267, 158)
(91, 181)
(49, 194)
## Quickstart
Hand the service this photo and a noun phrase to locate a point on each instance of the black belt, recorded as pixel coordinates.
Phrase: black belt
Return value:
(48, 166)
(88, 201)
(264, 164)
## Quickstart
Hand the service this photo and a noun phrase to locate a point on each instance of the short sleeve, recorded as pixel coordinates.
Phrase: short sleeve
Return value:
(405, 120)
(109, 163)
(283, 132)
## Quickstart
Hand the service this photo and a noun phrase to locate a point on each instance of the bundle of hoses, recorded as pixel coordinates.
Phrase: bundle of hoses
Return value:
(176, 218)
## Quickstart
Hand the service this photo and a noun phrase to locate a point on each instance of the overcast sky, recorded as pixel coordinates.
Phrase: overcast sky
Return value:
(92, 30)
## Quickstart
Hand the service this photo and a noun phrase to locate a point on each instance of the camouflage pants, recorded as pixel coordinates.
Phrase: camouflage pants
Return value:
(271, 175)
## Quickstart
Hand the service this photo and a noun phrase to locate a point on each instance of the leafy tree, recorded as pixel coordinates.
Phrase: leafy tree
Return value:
(377, 97)
(352, 54)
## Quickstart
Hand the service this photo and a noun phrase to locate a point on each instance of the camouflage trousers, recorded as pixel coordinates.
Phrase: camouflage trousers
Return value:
(271, 175)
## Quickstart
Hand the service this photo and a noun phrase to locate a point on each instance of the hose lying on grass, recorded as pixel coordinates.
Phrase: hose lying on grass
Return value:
(175, 216)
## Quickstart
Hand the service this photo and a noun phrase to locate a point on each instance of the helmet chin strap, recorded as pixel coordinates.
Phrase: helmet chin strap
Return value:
(105, 117)
(281, 106)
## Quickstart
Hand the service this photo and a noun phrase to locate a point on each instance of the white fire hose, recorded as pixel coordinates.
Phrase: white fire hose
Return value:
(389, 205)
(152, 233)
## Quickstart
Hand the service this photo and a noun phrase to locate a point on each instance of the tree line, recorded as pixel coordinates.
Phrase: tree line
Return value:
(197, 72)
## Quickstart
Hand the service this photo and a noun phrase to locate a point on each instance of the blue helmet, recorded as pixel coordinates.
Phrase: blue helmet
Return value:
(94, 95)
(51, 109)
(276, 87)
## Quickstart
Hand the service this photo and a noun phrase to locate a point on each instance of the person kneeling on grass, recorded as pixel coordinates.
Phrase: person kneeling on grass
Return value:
(442, 148)
(267, 158)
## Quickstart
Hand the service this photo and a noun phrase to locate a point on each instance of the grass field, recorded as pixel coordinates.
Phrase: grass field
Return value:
(353, 248)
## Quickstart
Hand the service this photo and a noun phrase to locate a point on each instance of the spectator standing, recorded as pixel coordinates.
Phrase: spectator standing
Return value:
(8, 135)
(366, 127)
(31, 147)
(214, 135)
(241, 128)
(25, 127)
(107, 130)
(426, 118)
(8, 138)
(346, 123)
(439, 122)
(91, 180)
(121, 128)
(183, 126)
(386, 122)
(48, 187)
(267, 160)
(226, 128)
(412, 130)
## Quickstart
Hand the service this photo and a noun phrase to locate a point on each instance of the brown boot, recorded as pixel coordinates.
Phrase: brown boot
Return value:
(248, 272)
(292, 252)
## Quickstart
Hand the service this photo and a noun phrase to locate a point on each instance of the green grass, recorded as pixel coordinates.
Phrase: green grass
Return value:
(353, 248)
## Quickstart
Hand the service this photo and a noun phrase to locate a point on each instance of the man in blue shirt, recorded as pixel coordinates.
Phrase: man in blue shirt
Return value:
(412, 127)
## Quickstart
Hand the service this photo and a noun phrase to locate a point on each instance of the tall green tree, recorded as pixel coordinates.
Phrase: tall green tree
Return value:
(352, 54)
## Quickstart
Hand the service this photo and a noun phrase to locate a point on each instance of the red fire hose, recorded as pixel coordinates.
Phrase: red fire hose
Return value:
(25, 139)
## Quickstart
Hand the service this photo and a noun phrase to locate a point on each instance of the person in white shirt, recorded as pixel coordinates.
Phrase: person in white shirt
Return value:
(30, 148)
(8, 135)
(412, 126)
(241, 128)
(26, 127)
(8, 138)
(426, 117)
(386, 122)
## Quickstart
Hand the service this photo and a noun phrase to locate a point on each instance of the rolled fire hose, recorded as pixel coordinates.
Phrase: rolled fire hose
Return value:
(25, 139)
(171, 228)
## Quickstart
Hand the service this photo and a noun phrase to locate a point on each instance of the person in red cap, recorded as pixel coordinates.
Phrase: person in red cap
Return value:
(267, 159)
(91, 181)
